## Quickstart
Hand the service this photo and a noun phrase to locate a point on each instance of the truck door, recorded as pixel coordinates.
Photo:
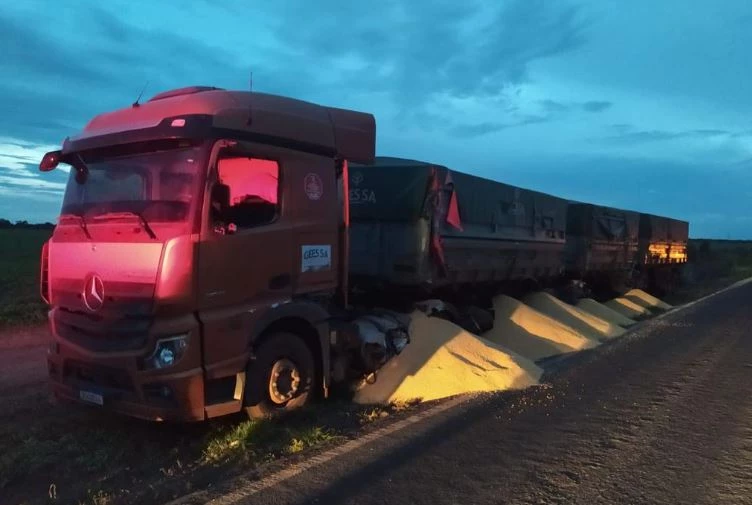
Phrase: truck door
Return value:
(245, 256)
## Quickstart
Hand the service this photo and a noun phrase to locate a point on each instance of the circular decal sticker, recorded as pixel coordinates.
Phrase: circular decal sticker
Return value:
(314, 188)
(357, 178)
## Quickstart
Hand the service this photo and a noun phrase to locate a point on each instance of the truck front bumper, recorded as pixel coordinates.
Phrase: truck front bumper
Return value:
(178, 400)
(118, 381)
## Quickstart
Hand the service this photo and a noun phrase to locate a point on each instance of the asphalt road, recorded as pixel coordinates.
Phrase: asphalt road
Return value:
(663, 415)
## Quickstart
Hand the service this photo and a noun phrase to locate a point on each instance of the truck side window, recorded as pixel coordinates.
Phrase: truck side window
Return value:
(254, 190)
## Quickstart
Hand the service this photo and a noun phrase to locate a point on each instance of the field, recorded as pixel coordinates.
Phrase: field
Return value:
(713, 265)
(81, 455)
(19, 277)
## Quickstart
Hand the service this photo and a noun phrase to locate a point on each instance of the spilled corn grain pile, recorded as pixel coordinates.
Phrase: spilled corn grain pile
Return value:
(640, 297)
(628, 308)
(443, 360)
(531, 333)
(605, 312)
(580, 320)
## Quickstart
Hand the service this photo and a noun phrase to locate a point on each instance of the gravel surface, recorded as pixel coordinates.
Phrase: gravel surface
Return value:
(661, 415)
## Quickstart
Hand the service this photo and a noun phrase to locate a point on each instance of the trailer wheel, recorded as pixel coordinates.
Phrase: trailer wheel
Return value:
(280, 378)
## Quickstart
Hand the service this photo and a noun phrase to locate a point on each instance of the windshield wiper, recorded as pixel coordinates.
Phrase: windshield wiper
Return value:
(81, 220)
(129, 213)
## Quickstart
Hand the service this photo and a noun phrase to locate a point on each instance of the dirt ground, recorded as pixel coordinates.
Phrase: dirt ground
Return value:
(23, 370)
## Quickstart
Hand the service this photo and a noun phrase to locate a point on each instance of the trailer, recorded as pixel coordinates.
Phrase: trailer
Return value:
(422, 226)
(662, 240)
(662, 252)
(601, 246)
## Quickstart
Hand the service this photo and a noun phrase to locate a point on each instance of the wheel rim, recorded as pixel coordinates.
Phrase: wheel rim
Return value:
(284, 381)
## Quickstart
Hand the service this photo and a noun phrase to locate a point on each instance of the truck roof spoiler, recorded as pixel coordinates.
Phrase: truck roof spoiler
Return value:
(347, 134)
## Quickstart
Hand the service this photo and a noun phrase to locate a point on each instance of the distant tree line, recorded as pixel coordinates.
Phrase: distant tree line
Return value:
(5, 224)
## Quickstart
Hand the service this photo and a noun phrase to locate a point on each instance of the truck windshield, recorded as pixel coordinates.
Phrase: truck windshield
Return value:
(156, 182)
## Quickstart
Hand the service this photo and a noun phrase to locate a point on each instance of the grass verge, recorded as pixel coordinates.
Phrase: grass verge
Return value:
(91, 457)
(20, 303)
(714, 264)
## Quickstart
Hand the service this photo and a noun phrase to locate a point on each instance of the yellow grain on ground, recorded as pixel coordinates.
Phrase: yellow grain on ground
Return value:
(640, 297)
(443, 360)
(605, 312)
(628, 308)
(582, 321)
(533, 334)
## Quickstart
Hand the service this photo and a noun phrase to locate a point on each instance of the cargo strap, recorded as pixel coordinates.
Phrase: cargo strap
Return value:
(443, 212)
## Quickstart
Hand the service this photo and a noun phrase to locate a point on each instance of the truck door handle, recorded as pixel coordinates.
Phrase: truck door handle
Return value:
(279, 281)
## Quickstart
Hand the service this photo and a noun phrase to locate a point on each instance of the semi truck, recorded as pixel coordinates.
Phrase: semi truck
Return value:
(223, 251)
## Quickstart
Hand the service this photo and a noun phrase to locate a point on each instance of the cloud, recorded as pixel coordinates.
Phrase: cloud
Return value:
(644, 136)
(514, 111)
(51, 88)
(429, 47)
(596, 106)
(622, 127)
(474, 130)
(409, 51)
(553, 106)
(29, 48)
(18, 154)
(35, 183)
(712, 133)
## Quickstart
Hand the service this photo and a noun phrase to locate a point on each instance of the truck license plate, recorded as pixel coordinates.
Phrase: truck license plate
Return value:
(90, 397)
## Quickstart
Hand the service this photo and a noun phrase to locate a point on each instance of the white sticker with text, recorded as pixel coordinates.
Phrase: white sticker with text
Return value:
(315, 258)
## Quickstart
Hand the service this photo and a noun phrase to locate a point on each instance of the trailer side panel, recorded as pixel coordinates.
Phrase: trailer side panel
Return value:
(417, 224)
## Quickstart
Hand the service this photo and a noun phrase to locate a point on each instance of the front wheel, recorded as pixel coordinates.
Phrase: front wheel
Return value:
(280, 378)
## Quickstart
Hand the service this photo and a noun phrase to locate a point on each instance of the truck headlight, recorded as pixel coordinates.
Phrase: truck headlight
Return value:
(167, 352)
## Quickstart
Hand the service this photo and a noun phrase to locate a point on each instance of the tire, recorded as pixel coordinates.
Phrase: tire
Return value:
(289, 357)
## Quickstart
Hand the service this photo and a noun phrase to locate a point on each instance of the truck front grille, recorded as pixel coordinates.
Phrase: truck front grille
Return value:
(102, 334)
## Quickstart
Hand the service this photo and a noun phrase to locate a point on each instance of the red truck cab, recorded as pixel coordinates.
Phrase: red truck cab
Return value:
(198, 255)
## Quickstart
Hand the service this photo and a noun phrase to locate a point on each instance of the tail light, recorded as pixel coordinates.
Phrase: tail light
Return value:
(44, 277)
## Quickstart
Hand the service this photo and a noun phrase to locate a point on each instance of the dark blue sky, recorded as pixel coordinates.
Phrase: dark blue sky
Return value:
(643, 105)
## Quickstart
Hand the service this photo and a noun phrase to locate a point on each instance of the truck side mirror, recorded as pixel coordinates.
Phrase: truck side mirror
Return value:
(220, 197)
(49, 161)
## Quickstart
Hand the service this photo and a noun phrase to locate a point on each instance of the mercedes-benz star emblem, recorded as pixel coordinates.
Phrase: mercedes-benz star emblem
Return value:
(93, 293)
